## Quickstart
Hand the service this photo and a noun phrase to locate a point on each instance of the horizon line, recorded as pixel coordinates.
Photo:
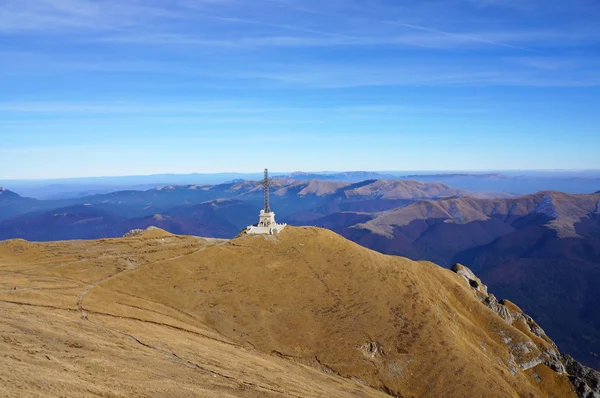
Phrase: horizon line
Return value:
(447, 171)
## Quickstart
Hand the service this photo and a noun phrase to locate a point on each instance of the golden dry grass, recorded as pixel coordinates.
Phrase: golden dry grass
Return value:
(305, 314)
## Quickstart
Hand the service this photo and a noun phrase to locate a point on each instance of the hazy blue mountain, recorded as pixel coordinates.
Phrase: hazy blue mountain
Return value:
(12, 204)
(290, 198)
(516, 182)
(219, 219)
(78, 187)
(347, 176)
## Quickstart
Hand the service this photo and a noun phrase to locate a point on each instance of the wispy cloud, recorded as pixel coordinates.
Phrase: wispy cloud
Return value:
(459, 70)
(60, 15)
(292, 43)
(460, 37)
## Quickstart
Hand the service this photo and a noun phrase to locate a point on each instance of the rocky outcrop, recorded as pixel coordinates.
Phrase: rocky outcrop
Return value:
(137, 232)
(585, 380)
(524, 354)
(133, 233)
(470, 278)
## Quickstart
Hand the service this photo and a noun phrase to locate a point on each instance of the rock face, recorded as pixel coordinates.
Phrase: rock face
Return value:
(585, 380)
(525, 354)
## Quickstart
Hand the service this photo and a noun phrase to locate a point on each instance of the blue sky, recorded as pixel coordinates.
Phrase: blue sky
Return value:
(91, 88)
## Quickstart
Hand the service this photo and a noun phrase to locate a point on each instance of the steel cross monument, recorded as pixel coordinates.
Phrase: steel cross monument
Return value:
(266, 183)
(266, 219)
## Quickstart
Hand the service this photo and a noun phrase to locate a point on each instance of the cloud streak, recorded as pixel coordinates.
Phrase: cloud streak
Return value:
(461, 37)
(290, 43)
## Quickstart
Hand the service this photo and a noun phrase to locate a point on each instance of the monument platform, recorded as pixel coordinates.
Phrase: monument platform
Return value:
(266, 225)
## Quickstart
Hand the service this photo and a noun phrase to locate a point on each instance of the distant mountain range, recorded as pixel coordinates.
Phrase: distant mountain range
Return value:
(457, 175)
(515, 182)
(348, 176)
(211, 210)
(291, 195)
(12, 204)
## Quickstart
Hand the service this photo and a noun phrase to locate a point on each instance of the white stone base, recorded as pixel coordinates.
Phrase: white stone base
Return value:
(266, 225)
(272, 230)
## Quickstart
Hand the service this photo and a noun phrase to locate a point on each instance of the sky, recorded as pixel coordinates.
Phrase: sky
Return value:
(106, 87)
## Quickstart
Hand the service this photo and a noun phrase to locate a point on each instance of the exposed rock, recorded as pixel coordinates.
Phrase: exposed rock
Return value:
(525, 354)
(371, 349)
(137, 232)
(133, 233)
(463, 271)
(470, 277)
(585, 380)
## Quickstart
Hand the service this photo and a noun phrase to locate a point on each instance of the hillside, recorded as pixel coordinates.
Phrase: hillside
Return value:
(305, 314)
(541, 250)
(563, 210)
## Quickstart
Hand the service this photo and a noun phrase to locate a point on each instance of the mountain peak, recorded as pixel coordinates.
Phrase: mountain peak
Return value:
(6, 194)
(306, 296)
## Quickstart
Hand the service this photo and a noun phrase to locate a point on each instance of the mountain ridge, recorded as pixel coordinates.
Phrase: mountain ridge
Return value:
(564, 209)
(290, 196)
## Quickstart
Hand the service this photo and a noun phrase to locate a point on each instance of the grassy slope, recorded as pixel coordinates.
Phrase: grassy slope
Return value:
(163, 315)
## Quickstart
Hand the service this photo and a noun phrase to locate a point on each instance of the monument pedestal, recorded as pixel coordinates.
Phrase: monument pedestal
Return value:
(266, 225)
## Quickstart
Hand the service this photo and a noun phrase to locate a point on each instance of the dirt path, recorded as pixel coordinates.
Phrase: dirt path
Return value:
(130, 268)
(266, 389)
(172, 355)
